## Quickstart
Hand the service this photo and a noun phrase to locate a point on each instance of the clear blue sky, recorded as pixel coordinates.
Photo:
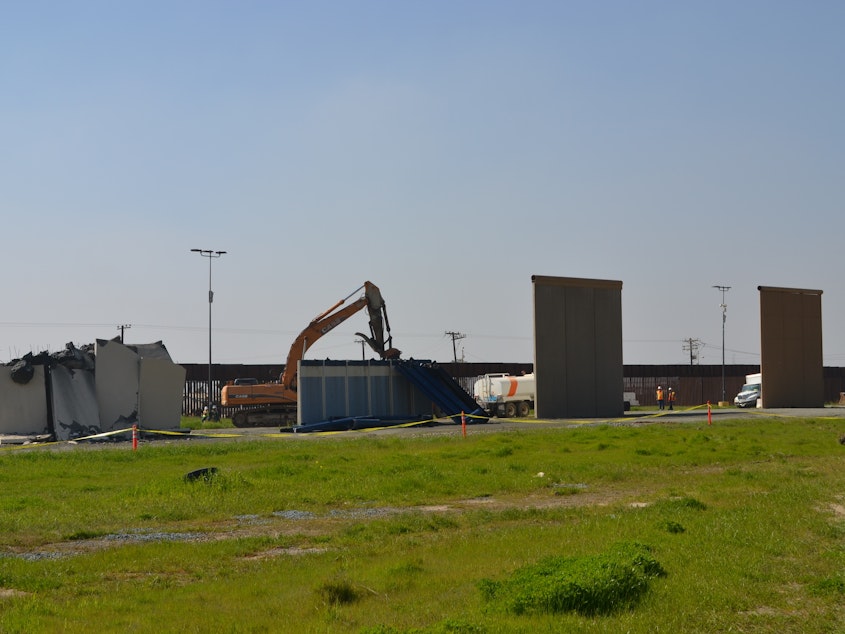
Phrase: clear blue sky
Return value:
(444, 150)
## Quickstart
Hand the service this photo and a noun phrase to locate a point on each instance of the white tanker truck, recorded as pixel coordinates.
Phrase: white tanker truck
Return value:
(505, 395)
(511, 396)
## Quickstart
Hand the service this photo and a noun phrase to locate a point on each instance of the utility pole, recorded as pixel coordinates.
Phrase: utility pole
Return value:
(455, 337)
(724, 308)
(692, 345)
(121, 328)
(362, 342)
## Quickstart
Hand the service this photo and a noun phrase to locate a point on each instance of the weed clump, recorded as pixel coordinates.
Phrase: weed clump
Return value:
(589, 585)
(829, 585)
(338, 592)
(671, 526)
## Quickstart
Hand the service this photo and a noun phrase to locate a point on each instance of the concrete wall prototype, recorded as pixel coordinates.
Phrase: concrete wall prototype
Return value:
(138, 384)
(118, 378)
(76, 395)
(578, 347)
(791, 358)
(162, 383)
(337, 389)
(23, 408)
(75, 412)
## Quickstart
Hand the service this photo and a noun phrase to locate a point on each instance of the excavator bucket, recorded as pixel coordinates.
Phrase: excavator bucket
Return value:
(378, 323)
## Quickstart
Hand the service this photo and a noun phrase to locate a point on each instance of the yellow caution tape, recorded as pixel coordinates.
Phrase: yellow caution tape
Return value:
(526, 421)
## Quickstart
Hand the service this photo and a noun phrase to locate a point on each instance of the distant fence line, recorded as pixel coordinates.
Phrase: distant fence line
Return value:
(694, 385)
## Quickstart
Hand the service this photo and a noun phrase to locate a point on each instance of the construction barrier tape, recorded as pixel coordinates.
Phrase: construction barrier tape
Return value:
(190, 433)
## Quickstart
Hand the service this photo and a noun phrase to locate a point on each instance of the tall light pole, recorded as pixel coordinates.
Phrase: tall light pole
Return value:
(724, 308)
(208, 253)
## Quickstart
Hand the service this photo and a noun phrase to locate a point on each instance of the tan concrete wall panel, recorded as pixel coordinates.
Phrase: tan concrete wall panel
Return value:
(577, 347)
(610, 373)
(550, 349)
(791, 347)
(579, 351)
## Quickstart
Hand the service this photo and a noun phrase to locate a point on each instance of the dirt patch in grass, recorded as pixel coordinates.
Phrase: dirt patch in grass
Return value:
(293, 551)
(10, 593)
(763, 610)
(306, 523)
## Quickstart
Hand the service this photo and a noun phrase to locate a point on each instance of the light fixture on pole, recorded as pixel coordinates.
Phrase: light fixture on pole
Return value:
(724, 308)
(208, 253)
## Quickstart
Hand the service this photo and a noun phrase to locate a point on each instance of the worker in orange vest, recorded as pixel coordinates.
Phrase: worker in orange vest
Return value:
(659, 397)
(671, 398)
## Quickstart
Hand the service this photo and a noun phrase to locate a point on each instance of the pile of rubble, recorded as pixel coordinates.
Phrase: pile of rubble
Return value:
(82, 391)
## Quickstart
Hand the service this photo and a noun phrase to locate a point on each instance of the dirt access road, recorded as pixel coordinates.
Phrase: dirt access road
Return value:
(447, 426)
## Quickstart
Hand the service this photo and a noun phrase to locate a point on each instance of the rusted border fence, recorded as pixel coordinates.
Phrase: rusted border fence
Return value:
(694, 384)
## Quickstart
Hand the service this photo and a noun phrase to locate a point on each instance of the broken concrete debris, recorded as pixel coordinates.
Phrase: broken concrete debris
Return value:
(101, 387)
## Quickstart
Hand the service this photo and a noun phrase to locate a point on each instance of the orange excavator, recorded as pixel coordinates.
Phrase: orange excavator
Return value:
(271, 404)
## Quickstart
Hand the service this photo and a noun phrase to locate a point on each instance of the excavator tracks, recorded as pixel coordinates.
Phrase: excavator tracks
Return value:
(264, 417)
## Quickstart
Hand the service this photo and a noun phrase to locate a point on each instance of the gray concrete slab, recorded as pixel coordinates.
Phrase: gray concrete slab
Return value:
(75, 412)
(23, 408)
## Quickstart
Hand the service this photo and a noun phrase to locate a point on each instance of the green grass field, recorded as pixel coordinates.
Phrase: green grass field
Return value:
(738, 526)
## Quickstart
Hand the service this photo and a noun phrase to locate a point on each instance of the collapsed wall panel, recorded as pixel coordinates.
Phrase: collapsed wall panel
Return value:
(23, 407)
(162, 384)
(442, 389)
(74, 394)
(117, 381)
(75, 411)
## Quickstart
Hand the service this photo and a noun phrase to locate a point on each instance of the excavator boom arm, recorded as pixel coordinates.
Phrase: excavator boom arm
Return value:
(333, 317)
(270, 403)
(314, 331)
